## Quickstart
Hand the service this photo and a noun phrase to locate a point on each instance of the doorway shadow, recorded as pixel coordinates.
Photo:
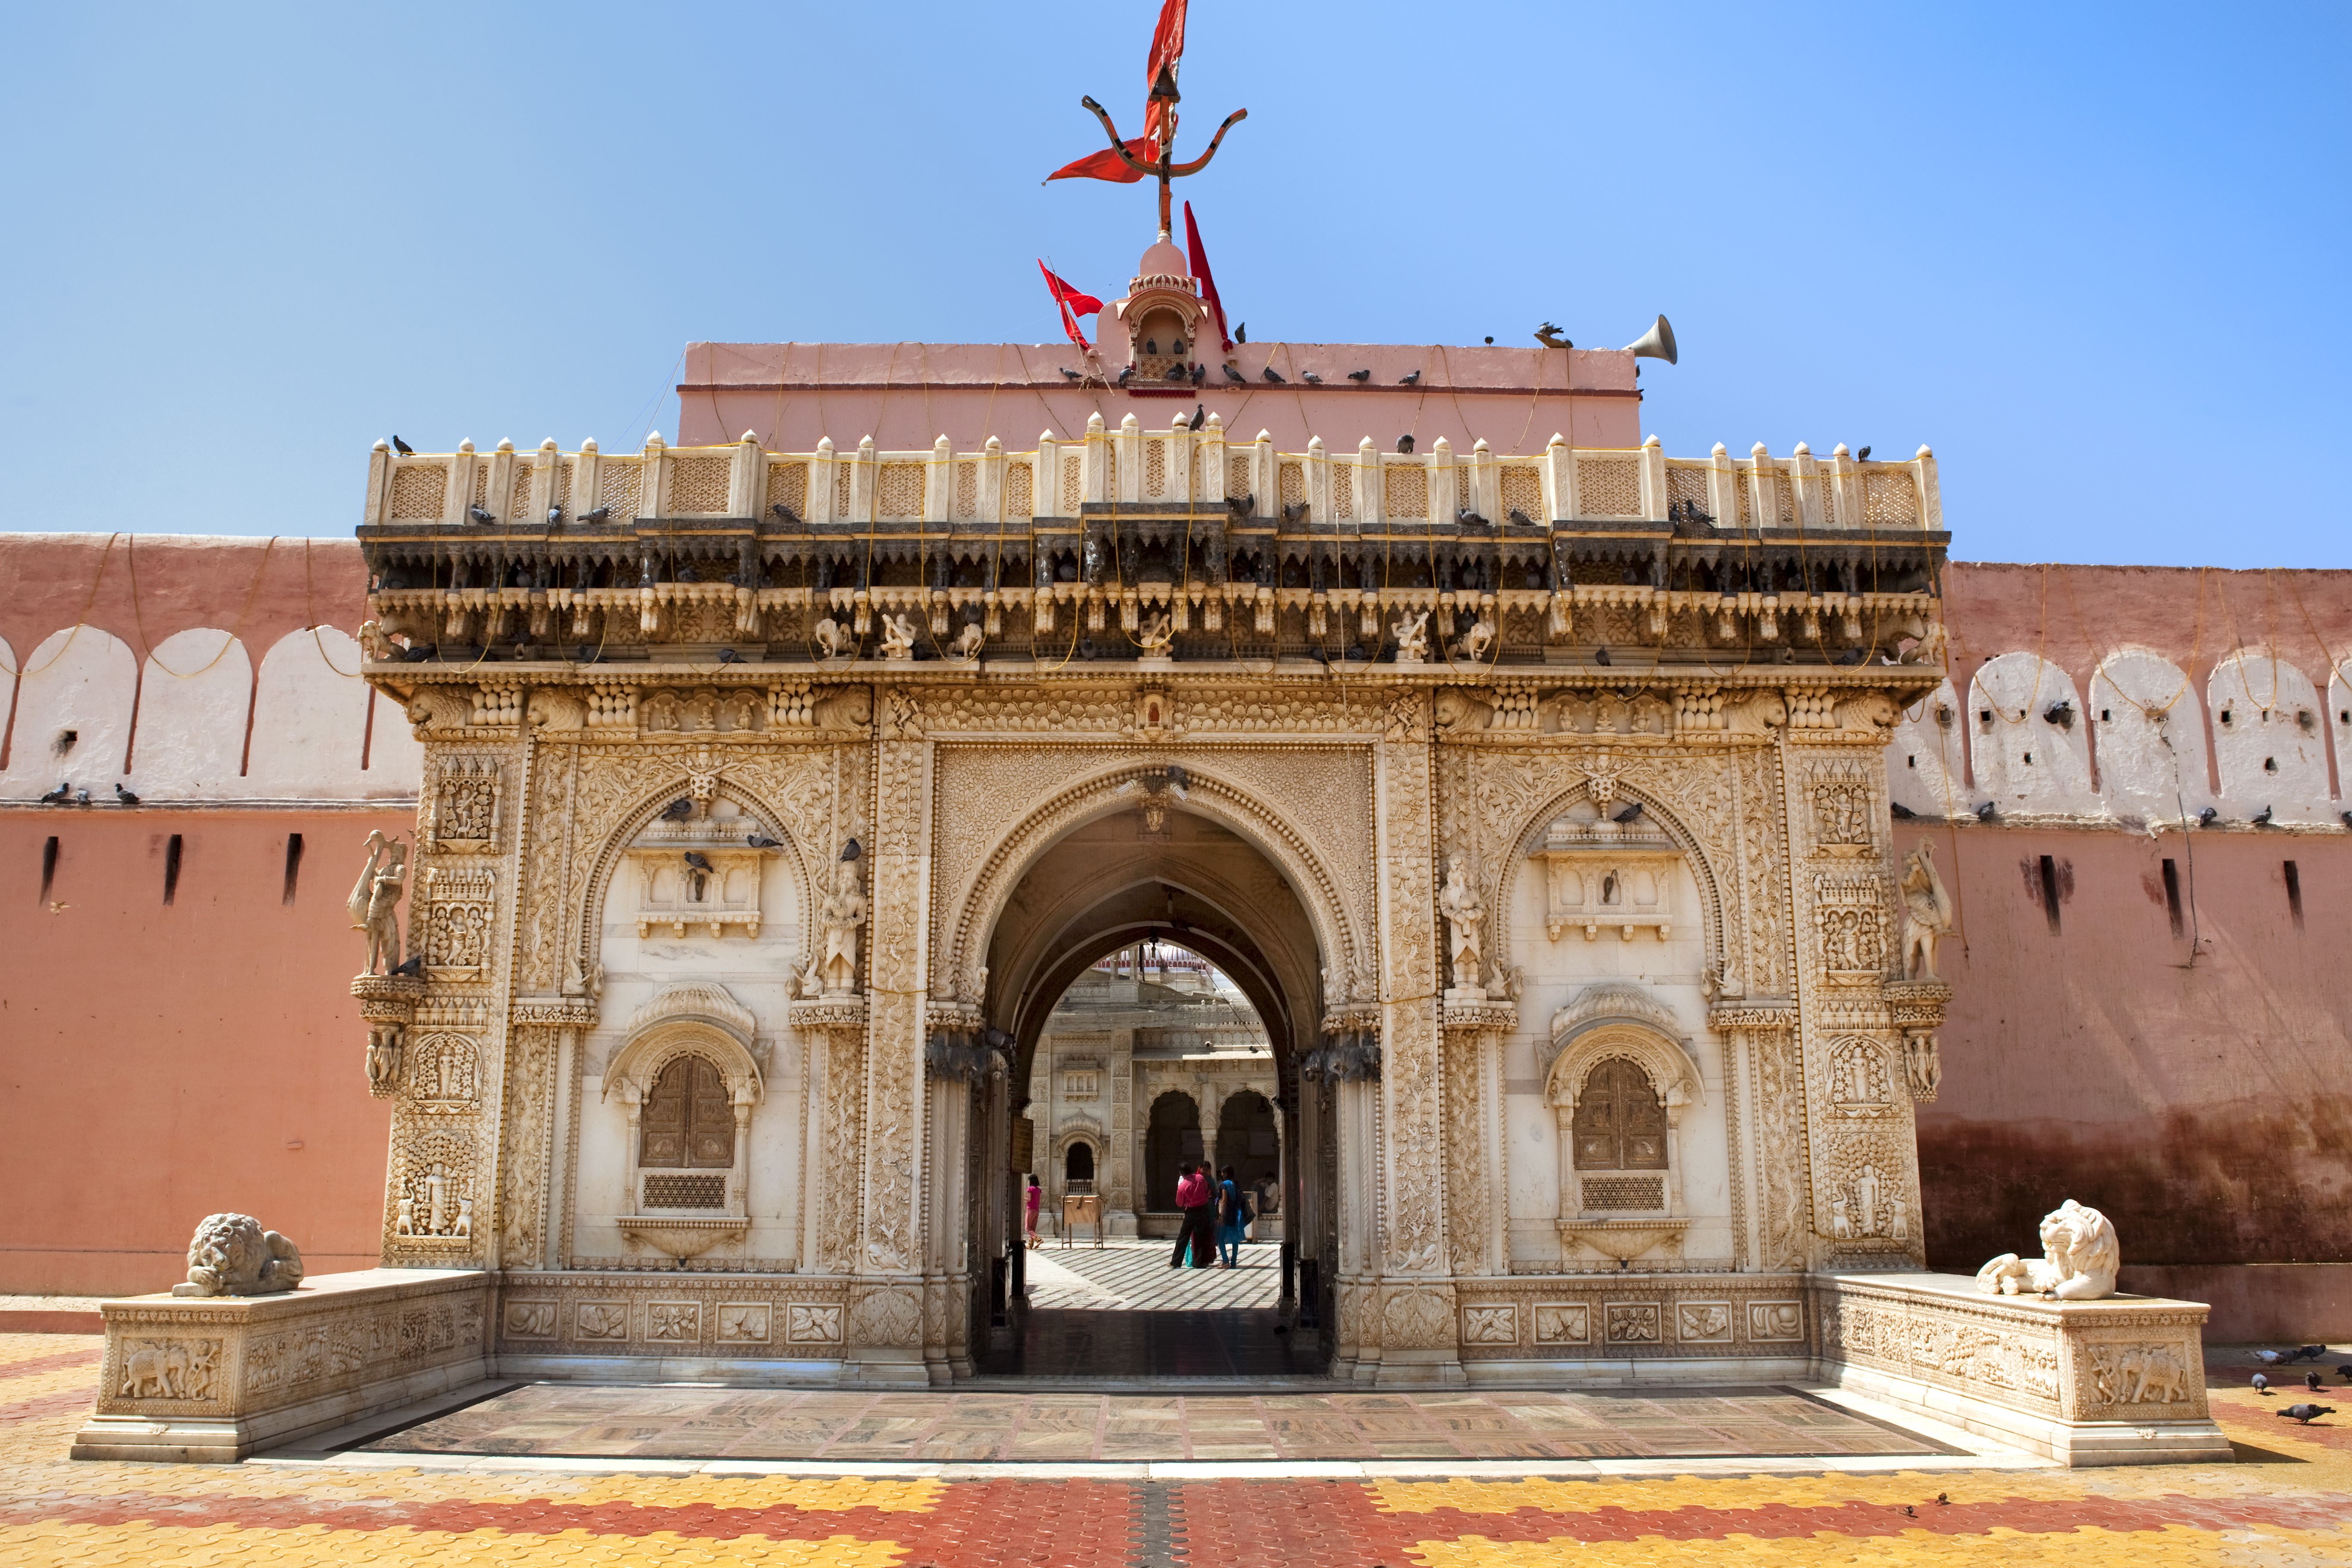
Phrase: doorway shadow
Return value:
(1111, 1345)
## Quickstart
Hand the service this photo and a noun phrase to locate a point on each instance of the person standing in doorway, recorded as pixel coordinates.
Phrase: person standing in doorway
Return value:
(1192, 1198)
(1233, 1213)
(1036, 1199)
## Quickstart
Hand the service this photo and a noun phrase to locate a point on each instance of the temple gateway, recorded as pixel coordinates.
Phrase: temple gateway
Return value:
(778, 784)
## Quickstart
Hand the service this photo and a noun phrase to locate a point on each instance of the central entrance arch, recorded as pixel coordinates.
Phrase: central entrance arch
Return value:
(1212, 872)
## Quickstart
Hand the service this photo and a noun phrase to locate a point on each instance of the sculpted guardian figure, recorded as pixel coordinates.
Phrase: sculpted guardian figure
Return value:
(1927, 912)
(1464, 913)
(231, 1255)
(375, 899)
(843, 913)
(2078, 1262)
(897, 636)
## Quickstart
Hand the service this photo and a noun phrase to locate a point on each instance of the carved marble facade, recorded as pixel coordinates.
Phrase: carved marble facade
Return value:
(1585, 1019)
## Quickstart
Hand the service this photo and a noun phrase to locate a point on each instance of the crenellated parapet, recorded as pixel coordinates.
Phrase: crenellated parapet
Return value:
(1175, 543)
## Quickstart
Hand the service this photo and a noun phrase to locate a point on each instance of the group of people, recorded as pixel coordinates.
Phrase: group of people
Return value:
(1217, 1209)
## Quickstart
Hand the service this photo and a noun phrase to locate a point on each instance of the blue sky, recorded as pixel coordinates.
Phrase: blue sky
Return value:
(2093, 255)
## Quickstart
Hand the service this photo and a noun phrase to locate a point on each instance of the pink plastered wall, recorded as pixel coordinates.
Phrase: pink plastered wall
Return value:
(906, 396)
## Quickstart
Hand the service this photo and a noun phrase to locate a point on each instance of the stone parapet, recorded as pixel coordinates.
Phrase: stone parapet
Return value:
(2119, 1381)
(213, 1379)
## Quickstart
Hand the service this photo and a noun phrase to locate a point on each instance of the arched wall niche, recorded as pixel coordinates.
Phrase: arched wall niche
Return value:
(2021, 756)
(80, 680)
(1502, 883)
(2269, 739)
(2149, 729)
(760, 816)
(1345, 960)
(1927, 771)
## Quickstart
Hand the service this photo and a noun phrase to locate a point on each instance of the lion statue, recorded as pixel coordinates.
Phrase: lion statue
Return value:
(2078, 1262)
(231, 1255)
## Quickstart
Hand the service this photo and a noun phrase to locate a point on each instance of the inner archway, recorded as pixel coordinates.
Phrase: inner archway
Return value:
(1170, 909)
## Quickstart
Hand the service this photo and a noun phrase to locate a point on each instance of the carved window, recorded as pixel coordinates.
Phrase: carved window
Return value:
(1619, 1124)
(689, 1119)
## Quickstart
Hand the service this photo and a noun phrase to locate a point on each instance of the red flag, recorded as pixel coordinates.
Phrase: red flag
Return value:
(1068, 294)
(1166, 50)
(1106, 164)
(1070, 325)
(1167, 53)
(1200, 260)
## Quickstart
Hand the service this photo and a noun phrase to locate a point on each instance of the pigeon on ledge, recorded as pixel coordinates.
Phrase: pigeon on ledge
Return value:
(677, 810)
(2306, 1413)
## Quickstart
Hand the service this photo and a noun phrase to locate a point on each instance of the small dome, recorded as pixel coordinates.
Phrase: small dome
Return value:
(1162, 260)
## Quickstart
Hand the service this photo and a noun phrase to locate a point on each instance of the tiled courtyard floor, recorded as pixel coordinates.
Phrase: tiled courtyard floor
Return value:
(2287, 1503)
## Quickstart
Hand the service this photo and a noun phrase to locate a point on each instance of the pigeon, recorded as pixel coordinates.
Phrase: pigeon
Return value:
(1233, 374)
(2310, 1380)
(1629, 813)
(1901, 811)
(1987, 812)
(2205, 817)
(1852, 655)
(2270, 1358)
(602, 514)
(1548, 336)
(1404, 444)
(402, 447)
(416, 965)
(125, 796)
(1200, 374)
(850, 851)
(418, 654)
(2347, 818)
(1468, 518)
(82, 798)
(2307, 1353)
(1126, 375)
(1359, 376)
(1601, 656)
(58, 796)
(1178, 779)
(1272, 375)
(1200, 416)
(762, 841)
(784, 512)
(1410, 378)
(554, 515)
(480, 515)
(2261, 817)
(1178, 373)
(2344, 1372)
(1314, 379)
(1293, 512)
(2261, 1386)
(582, 654)
(729, 656)
(1240, 333)
(698, 861)
(679, 810)
(1863, 456)
(1070, 375)
(2306, 1413)
(1522, 519)
(1490, 342)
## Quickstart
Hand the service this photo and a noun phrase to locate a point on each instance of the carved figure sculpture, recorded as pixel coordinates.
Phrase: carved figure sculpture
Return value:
(1412, 634)
(2078, 1262)
(897, 636)
(1471, 646)
(1927, 912)
(1464, 913)
(375, 899)
(843, 913)
(1157, 635)
(833, 640)
(967, 641)
(404, 1222)
(231, 1255)
(383, 1056)
(1923, 1065)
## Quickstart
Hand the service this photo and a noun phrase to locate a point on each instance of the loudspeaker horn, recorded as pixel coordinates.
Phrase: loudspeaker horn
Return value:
(1658, 343)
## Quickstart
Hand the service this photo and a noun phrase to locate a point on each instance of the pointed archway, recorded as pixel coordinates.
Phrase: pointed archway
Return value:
(1117, 878)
